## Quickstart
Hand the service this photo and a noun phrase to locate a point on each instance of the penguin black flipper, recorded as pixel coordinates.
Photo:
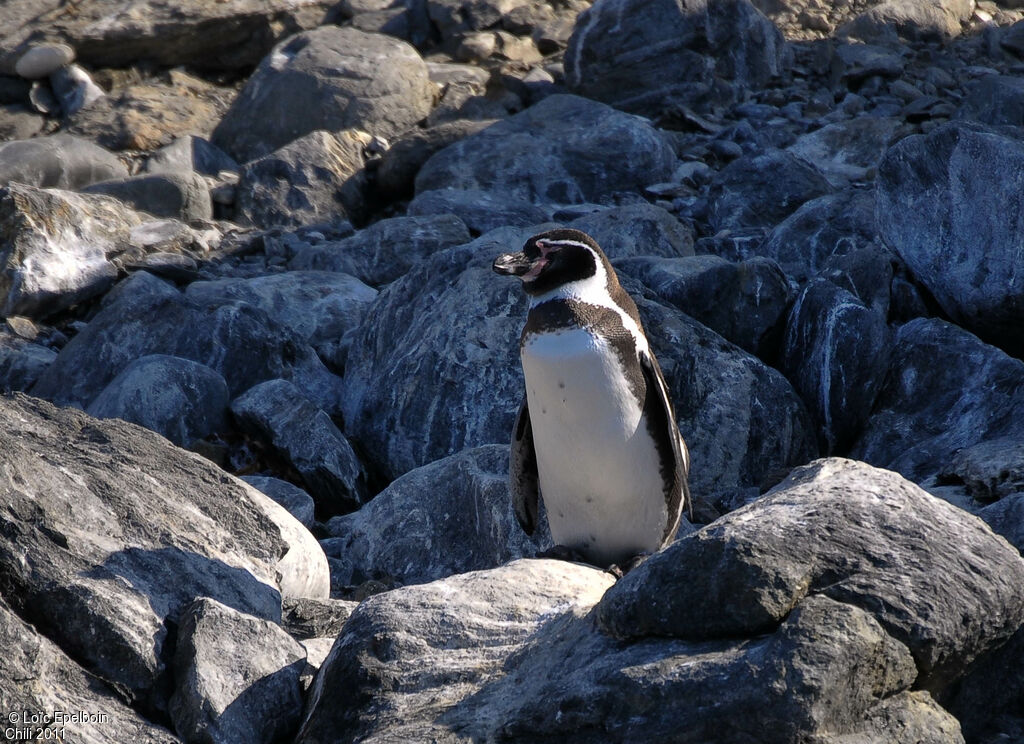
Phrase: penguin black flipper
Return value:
(675, 458)
(523, 478)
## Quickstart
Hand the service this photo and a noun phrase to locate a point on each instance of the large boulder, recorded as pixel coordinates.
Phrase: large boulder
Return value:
(514, 654)
(562, 150)
(967, 257)
(928, 20)
(934, 577)
(640, 55)
(56, 246)
(449, 517)
(109, 531)
(241, 342)
(944, 390)
(329, 78)
(58, 161)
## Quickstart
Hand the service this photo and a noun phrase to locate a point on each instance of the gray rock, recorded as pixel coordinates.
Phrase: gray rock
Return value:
(994, 99)
(184, 196)
(319, 307)
(36, 676)
(990, 470)
(542, 670)
(178, 398)
(762, 190)
(330, 78)
(316, 177)
(858, 62)
(315, 618)
(564, 149)
(237, 340)
(74, 89)
(480, 211)
(1006, 518)
(910, 19)
(43, 59)
(226, 36)
(637, 230)
(297, 502)
(956, 164)
(19, 122)
(56, 247)
(110, 530)
(236, 677)
(58, 160)
(450, 315)
(639, 55)
(836, 353)
(385, 250)
(21, 362)
(454, 18)
(849, 150)
(449, 517)
(190, 154)
(306, 437)
(831, 225)
(944, 390)
(744, 302)
(400, 163)
(835, 528)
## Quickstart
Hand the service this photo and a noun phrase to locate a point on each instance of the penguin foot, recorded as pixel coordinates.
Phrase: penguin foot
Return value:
(563, 553)
(618, 570)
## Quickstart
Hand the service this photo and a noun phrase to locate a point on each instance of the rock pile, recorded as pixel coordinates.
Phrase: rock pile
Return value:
(253, 239)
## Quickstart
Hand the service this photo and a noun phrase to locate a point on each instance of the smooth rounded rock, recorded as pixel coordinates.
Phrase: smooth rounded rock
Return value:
(43, 60)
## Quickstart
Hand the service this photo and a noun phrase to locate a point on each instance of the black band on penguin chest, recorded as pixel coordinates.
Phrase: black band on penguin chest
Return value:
(561, 315)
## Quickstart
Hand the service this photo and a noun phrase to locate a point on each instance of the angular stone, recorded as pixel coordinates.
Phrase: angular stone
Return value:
(400, 163)
(480, 211)
(330, 78)
(637, 230)
(449, 517)
(190, 154)
(306, 437)
(236, 677)
(21, 362)
(562, 150)
(850, 150)
(994, 99)
(990, 470)
(835, 528)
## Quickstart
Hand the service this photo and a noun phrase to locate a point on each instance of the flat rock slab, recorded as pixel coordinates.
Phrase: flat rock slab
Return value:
(934, 577)
(110, 530)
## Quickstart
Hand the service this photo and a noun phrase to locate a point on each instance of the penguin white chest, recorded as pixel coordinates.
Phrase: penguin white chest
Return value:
(597, 463)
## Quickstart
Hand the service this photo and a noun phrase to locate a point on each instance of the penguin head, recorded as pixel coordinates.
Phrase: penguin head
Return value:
(552, 259)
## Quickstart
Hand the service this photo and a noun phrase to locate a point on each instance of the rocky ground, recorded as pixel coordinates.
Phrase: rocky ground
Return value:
(258, 378)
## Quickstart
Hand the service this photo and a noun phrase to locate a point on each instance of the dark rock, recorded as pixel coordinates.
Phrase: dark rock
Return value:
(306, 437)
(183, 196)
(237, 340)
(74, 89)
(385, 250)
(190, 154)
(640, 55)
(989, 699)
(449, 517)
(564, 149)
(37, 677)
(637, 230)
(835, 528)
(315, 618)
(18, 122)
(956, 164)
(834, 224)
(990, 470)
(762, 190)
(331, 79)
(109, 531)
(744, 302)
(297, 502)
(236, 677)
(480, 211)
(319, 307)
(55, 247)
(544, 671)
(59, 160)
(316, 177)
(859, 62)
(178, 398)
(945, 390)
(21, 362)
(836, 353)
(995, 99)
(850, 150)
(866, 273)
(402, 161)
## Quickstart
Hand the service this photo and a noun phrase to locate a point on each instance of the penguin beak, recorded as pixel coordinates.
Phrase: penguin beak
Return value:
(512, 264)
